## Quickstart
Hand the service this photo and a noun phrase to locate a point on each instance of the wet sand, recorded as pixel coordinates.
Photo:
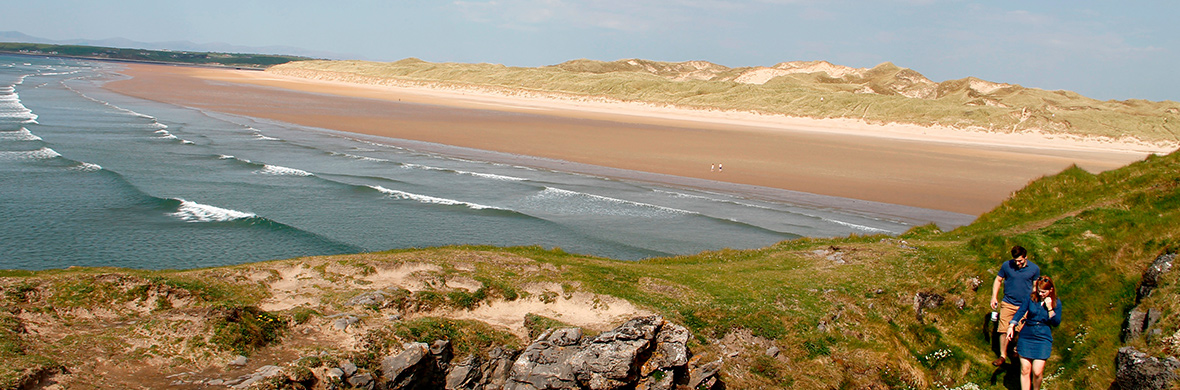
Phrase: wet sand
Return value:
(956, 176)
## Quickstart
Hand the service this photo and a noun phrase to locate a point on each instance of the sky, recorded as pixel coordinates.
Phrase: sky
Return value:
(1101, 49)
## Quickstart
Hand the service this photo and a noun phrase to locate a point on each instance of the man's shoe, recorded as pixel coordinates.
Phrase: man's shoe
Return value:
(998, 362)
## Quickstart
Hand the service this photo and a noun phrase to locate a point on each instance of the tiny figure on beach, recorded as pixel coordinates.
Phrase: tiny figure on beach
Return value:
(719, 167)
(1016, 276)
(1041, 311)
(712, 167)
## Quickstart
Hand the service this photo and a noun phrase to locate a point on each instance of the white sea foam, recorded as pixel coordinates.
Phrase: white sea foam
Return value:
(429, 199)
(859, 227)
(225, 157)
(196, 212)
(492, 176)
(20, 135)
(282, 171)
(264, 138)
(557, 193)
(187, 142)
(86, 167)
(353, 156)
(39, 154)
(690, 196)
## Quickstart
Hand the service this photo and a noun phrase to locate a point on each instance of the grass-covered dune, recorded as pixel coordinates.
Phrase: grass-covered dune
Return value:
(843, 312)
(885, 93)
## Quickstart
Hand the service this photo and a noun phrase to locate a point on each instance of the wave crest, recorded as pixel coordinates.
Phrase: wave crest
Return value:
(282, 171)
(189, 211)
(430, 199)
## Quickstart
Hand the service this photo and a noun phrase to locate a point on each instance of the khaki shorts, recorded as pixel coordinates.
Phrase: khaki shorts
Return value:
(1007, 311)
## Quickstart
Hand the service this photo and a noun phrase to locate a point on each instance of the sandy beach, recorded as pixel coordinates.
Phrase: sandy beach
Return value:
(934, 168)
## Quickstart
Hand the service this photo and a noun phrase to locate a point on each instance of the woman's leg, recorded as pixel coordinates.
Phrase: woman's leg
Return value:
(1025, 372)
(1038, 371)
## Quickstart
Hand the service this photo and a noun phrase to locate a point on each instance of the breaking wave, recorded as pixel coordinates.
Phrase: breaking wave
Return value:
(189, 211)
(430, 199)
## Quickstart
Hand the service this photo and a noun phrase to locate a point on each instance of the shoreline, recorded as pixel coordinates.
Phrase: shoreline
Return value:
(957, 172)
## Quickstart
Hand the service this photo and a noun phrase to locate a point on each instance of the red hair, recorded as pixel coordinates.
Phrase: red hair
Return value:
(1043, 283)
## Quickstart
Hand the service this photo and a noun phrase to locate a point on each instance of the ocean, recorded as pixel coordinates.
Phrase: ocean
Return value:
(93, 178)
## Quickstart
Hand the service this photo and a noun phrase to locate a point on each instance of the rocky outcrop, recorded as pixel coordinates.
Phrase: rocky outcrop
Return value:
(643, 353)
(1138, 371)
(1150, 280)
(1141, 320)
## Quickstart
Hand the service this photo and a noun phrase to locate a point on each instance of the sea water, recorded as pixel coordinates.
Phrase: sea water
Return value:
(92, 178)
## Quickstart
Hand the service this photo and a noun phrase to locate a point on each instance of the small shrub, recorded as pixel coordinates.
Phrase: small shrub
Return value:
(244, 329)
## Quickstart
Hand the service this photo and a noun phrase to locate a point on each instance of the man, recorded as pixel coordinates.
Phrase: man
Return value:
(1017, 276)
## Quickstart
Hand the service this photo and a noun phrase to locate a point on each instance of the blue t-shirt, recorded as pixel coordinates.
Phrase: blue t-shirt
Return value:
(1018, 282)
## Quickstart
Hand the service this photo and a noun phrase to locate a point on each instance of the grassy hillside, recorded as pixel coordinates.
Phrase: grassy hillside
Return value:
(883, 94)
(843, 312)
(175, 57)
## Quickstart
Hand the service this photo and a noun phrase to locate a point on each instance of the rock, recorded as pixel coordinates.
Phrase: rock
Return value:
(342, 324)
(258, 375)
(414, 368)
(926, 300)
(463, 375)
(239, 361)
(375, 299)
(361, 380)
(215, 382)
(773, 352)
(1150, 280)
(702, 374)
(660, 380)
(1135, 324)
(671, 349)
(1138, 371)
(544, 364)
(348, 368)
(608, 360)
(497, 370)
(334, 374)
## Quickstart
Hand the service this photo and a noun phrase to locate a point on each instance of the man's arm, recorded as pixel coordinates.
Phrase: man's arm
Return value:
(996, 291)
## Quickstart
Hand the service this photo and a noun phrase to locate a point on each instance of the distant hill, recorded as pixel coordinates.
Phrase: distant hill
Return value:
(257, 61)
(217, 47)
(885, 93)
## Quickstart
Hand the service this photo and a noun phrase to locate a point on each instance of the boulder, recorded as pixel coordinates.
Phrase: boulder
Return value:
(1138, 371)
(414, 368)
(463, 375)
(608, 361)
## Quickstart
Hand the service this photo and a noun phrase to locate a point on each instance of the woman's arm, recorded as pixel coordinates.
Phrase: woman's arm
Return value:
(1055, 314)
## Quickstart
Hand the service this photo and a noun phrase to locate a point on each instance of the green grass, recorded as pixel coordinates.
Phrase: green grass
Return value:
(950, 103)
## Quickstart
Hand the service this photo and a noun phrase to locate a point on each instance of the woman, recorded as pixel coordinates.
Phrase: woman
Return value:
(1039, 311)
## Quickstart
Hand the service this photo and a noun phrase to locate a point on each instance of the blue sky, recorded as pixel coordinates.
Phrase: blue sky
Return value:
(1101, 49)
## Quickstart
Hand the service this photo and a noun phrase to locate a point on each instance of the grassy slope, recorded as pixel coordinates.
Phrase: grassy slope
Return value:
(841, 310)
(950, 103)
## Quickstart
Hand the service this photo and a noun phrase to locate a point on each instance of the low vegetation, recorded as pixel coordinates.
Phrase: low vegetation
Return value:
(853, 312)
(883, 94)
(141, 55)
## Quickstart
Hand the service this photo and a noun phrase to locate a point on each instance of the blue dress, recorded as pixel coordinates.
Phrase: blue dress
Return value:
(1036, 338)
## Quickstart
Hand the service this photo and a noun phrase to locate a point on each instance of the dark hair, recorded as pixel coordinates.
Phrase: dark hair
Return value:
(1043, 283)
(1018, 251)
